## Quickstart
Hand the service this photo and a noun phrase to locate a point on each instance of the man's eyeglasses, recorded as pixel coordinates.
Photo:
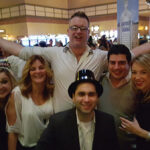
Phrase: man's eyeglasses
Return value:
(75, 28)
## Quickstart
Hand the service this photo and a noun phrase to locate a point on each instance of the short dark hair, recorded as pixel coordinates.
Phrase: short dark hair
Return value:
(119, 49)
(42, 44)
(80, 14)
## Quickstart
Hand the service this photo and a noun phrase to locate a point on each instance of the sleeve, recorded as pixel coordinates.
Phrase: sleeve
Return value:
(105, 61)
(132, 55)
(17, 65)
(16, 128)
(48, 53)
(115, 142)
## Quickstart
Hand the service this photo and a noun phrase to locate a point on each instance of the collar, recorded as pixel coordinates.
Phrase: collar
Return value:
(79, 122)
(67, 48)
(122, 82)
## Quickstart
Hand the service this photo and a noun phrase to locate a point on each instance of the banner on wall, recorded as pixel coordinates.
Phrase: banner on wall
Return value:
(127, 20)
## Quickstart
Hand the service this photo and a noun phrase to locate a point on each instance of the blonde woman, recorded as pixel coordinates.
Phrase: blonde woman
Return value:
(7, 83)
(140, 125)
(30, 105)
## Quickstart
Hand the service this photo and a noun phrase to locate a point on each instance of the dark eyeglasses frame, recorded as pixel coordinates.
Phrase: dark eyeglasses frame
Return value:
(75, 28)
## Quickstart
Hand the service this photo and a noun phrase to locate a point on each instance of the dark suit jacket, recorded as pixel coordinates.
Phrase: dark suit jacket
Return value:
(62, 133)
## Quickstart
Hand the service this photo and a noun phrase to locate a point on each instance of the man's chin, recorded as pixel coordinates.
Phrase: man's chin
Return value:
(86, 111)
(117, 77)
(77, 45)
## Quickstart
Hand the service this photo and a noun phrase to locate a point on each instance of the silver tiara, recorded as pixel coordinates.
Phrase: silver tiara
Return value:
(4, 64)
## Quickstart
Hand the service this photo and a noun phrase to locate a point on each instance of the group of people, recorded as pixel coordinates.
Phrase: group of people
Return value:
(74, 73)
(102, 43)
(44, 44)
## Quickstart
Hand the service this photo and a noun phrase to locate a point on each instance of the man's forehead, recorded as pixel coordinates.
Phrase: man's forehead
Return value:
(85, 90)
(117, 57)
(76, 20)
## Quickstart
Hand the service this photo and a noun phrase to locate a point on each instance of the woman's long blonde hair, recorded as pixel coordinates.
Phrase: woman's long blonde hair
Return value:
(144, 61)
(26, 83)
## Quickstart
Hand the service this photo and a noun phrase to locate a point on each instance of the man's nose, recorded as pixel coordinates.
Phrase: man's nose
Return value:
(79, 30)
(86, 98)
(116, 65)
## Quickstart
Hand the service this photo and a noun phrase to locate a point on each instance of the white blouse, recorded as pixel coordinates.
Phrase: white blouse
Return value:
(31, 119)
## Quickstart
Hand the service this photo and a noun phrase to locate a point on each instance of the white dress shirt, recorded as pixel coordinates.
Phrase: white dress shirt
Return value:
(86, 133)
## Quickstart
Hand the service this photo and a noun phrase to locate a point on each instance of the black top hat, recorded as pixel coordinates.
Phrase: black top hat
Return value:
(85, 76)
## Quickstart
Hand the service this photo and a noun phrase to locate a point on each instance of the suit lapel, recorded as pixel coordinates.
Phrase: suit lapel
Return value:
(74, 131)
(97, 133)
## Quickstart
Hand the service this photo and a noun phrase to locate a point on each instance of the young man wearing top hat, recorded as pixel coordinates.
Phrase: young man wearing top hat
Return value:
(83, 127)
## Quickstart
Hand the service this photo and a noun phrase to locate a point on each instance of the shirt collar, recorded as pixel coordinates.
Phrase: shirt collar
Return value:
(67, 48)
(78, 121)
(123, 81)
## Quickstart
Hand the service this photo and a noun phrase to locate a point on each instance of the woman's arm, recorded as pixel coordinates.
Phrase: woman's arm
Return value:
(134, 128)
(11, 119)
(10, 111)
(12, 141)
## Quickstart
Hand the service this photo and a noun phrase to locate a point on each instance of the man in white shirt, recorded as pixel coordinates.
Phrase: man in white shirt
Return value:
(66, 61)
(81, 128)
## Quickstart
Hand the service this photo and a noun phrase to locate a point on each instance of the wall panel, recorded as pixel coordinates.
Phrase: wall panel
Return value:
(85, 3)
(45, 28)
(17, 29)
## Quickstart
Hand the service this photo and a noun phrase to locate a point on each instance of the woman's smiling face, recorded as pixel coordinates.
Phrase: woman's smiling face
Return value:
(5, 85)
(140, 77)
